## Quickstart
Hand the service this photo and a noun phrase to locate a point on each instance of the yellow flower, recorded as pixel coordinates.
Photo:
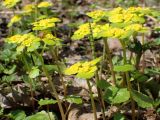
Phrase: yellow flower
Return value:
(13, 20)
(73, 69)
(29, 8)
(83, 30)
(44, 4)
(114, 32)
(118, 10)
(49, 39)
(127, 17)
(10, 3)
(118, 32)
(45, 23)
(116, 18)
(99, 30)
(135, 27)
(138, 9)
(84, 70)
(97, 15)
(29, 41)
(14, 39)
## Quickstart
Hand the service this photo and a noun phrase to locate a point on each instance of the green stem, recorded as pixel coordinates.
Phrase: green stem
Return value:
(53, 51)
(30, 79)
(128, 80)
(92, 100)
(51, 83)
(91, 39)
(110, 61)
(143, 56)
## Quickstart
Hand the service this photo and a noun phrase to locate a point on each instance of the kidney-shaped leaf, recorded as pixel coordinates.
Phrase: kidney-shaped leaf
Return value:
(46, 102)
(74, 99)
(34, 72)
(116, 95)
(42, 116)
(124, 68)
(142, 100)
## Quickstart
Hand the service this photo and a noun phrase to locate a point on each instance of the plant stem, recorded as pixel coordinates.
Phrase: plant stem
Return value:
(51, 83)
(53, 51)
(110, 61)
(128, 80)
(30, 79)
(101, 101)
(143, 56)
(92, 100)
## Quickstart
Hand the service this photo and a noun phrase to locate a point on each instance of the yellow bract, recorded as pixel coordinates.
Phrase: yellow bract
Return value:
(13, 20)
(14, 39)
(131, 15)
(29, 8)
(84, 70)
(118, 10)
(44, 4)
(83, 30)
(30, 41)
(116, 18)
(49, 39)
(123, 23)
(97, 15)
(10, 3)
(45, 23)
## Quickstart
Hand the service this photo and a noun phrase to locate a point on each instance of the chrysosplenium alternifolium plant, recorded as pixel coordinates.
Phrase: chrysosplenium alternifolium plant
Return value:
(33, 38)
(85, 70)
(121, 24)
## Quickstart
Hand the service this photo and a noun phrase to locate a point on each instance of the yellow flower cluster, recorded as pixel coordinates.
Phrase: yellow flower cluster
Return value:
(132, 15)
(10, 3)
(85, 29)
(84, 70)
(49, 39)
(29, 41)
(45, 23)
(121, 33)
(44, 4)
(13, 20)
(97, 15)
(28, 8)
(122, 23)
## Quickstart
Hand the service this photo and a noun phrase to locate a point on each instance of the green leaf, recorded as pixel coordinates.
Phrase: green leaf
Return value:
(33, 47)
(18, 115)
(140, 77)
(20, 49)
(102, 84)
(53, 68)
(142, 100)
(46, 102)
(157, 41)
(74, 99)
(42, 116)
(1, 68)
(119, 116)
(34, 72)
(11, 70)
(9, 78)
(49, 42)
(124, 68)
(116, 95)
(85, 75)
(157, 102)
